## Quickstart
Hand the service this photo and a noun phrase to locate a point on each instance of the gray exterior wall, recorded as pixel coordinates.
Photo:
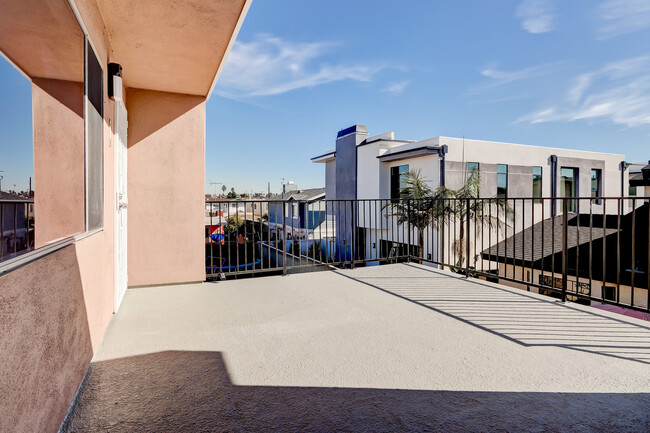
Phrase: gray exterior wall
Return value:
(346, 167)
(330, 180)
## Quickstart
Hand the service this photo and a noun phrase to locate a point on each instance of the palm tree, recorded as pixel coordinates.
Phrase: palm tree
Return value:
(466, 206)
(420, 206)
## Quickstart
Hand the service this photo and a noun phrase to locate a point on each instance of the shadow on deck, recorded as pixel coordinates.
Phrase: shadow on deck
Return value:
(178, 391)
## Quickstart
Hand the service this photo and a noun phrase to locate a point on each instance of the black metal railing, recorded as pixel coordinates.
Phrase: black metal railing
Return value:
(578, 249)
(16, 228)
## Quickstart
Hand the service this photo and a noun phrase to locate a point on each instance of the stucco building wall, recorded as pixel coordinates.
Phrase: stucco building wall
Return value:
(166, 178)
(58, 128)
(45, 342)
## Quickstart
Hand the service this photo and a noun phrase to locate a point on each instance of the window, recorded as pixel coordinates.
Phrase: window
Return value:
(609, 293)
(632, 191)
(537, 184)
(397, 181)
(569, 185)
(596, 184)
(52, 165)
(472, 167)
(502, 180)
(94, 141)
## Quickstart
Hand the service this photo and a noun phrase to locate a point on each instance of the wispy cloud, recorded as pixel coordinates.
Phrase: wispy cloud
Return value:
(618, 92)
(502, 78)
(271, 66)
(537, 16)
(623, 16)
(395, 88)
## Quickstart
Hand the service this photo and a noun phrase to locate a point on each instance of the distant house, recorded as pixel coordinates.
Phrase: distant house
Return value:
(596, 250)
(214, 229)
(303, 210)
(639, 180)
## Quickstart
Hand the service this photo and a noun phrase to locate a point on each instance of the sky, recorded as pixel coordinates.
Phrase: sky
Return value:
(572, 74)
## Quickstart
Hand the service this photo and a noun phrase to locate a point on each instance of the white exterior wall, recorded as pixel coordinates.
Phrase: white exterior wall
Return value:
(490, 152)
(374, 182)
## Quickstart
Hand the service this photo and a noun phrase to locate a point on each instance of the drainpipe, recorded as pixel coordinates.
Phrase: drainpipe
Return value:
(623, 166)
(553, 184)
(442, 152)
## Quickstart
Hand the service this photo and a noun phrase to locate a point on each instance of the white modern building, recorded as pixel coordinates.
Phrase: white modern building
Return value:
(363, 167)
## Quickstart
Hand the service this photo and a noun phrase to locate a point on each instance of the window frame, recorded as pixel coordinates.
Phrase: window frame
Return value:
(571, 205)
(56, 245)
(476, 166)
(87, 193)
(397, 173)
(499, 176)
(538, 179)
(599, 184)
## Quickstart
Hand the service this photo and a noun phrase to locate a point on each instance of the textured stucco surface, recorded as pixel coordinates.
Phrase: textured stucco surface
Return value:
(166, 182)
(45, 343)
(171, 45)
(390, 348)
(58, 158)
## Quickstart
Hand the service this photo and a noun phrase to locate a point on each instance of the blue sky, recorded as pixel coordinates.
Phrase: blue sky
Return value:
(572, 74)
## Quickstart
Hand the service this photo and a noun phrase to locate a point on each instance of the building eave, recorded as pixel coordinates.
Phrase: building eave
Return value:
(410, 153)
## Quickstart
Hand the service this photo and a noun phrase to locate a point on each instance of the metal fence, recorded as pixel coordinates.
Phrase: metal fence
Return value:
(586, 250)
(16, 228)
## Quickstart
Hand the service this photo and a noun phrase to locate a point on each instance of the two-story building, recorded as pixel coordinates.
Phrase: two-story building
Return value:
(372, 167)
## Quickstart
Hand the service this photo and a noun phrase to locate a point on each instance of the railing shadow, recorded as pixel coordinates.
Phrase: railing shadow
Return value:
(512, 314)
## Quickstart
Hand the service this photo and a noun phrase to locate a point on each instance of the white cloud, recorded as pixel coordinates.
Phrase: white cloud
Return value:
(537, 16)
(271, 66)
(501, 78)
(623, 16)
(396, 88)
(619, 92)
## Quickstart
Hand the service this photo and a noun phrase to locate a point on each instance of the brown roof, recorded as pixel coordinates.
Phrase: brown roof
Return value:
(545, 238)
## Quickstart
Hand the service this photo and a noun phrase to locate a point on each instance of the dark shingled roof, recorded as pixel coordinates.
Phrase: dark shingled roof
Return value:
(527, 244)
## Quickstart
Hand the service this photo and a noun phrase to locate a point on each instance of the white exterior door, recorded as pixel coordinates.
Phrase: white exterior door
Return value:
(121, 202)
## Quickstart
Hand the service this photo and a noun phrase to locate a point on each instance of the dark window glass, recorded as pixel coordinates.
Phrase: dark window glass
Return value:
(537, 184)
(502, 180)
(94, 141)
(632, 191)
(569, 185)
(397, 181)
(596, 183)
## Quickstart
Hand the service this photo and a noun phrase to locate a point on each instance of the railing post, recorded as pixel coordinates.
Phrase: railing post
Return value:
(467, 237)
(565, 256)
(408, 228)
(284, 240)
(352, 231)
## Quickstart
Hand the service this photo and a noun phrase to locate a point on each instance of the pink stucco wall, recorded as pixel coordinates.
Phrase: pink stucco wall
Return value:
(58, 127)
(54, 311)
(45, 343)
(166, 178)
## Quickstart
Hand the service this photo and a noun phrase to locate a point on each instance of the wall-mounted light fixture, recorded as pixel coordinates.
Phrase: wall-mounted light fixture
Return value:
(115, 81)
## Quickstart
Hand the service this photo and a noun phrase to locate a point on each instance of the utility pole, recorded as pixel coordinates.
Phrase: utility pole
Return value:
(215, 186)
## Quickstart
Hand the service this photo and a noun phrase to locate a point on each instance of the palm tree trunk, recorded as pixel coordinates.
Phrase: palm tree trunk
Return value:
(421, 244)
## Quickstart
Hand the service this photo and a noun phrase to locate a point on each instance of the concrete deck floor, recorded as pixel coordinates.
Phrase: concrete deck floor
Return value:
(391, 348)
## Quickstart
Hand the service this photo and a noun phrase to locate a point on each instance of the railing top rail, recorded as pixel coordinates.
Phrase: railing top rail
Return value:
(16, 200)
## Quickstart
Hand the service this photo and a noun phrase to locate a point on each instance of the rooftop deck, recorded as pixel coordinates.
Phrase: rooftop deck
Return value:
(389, 348)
